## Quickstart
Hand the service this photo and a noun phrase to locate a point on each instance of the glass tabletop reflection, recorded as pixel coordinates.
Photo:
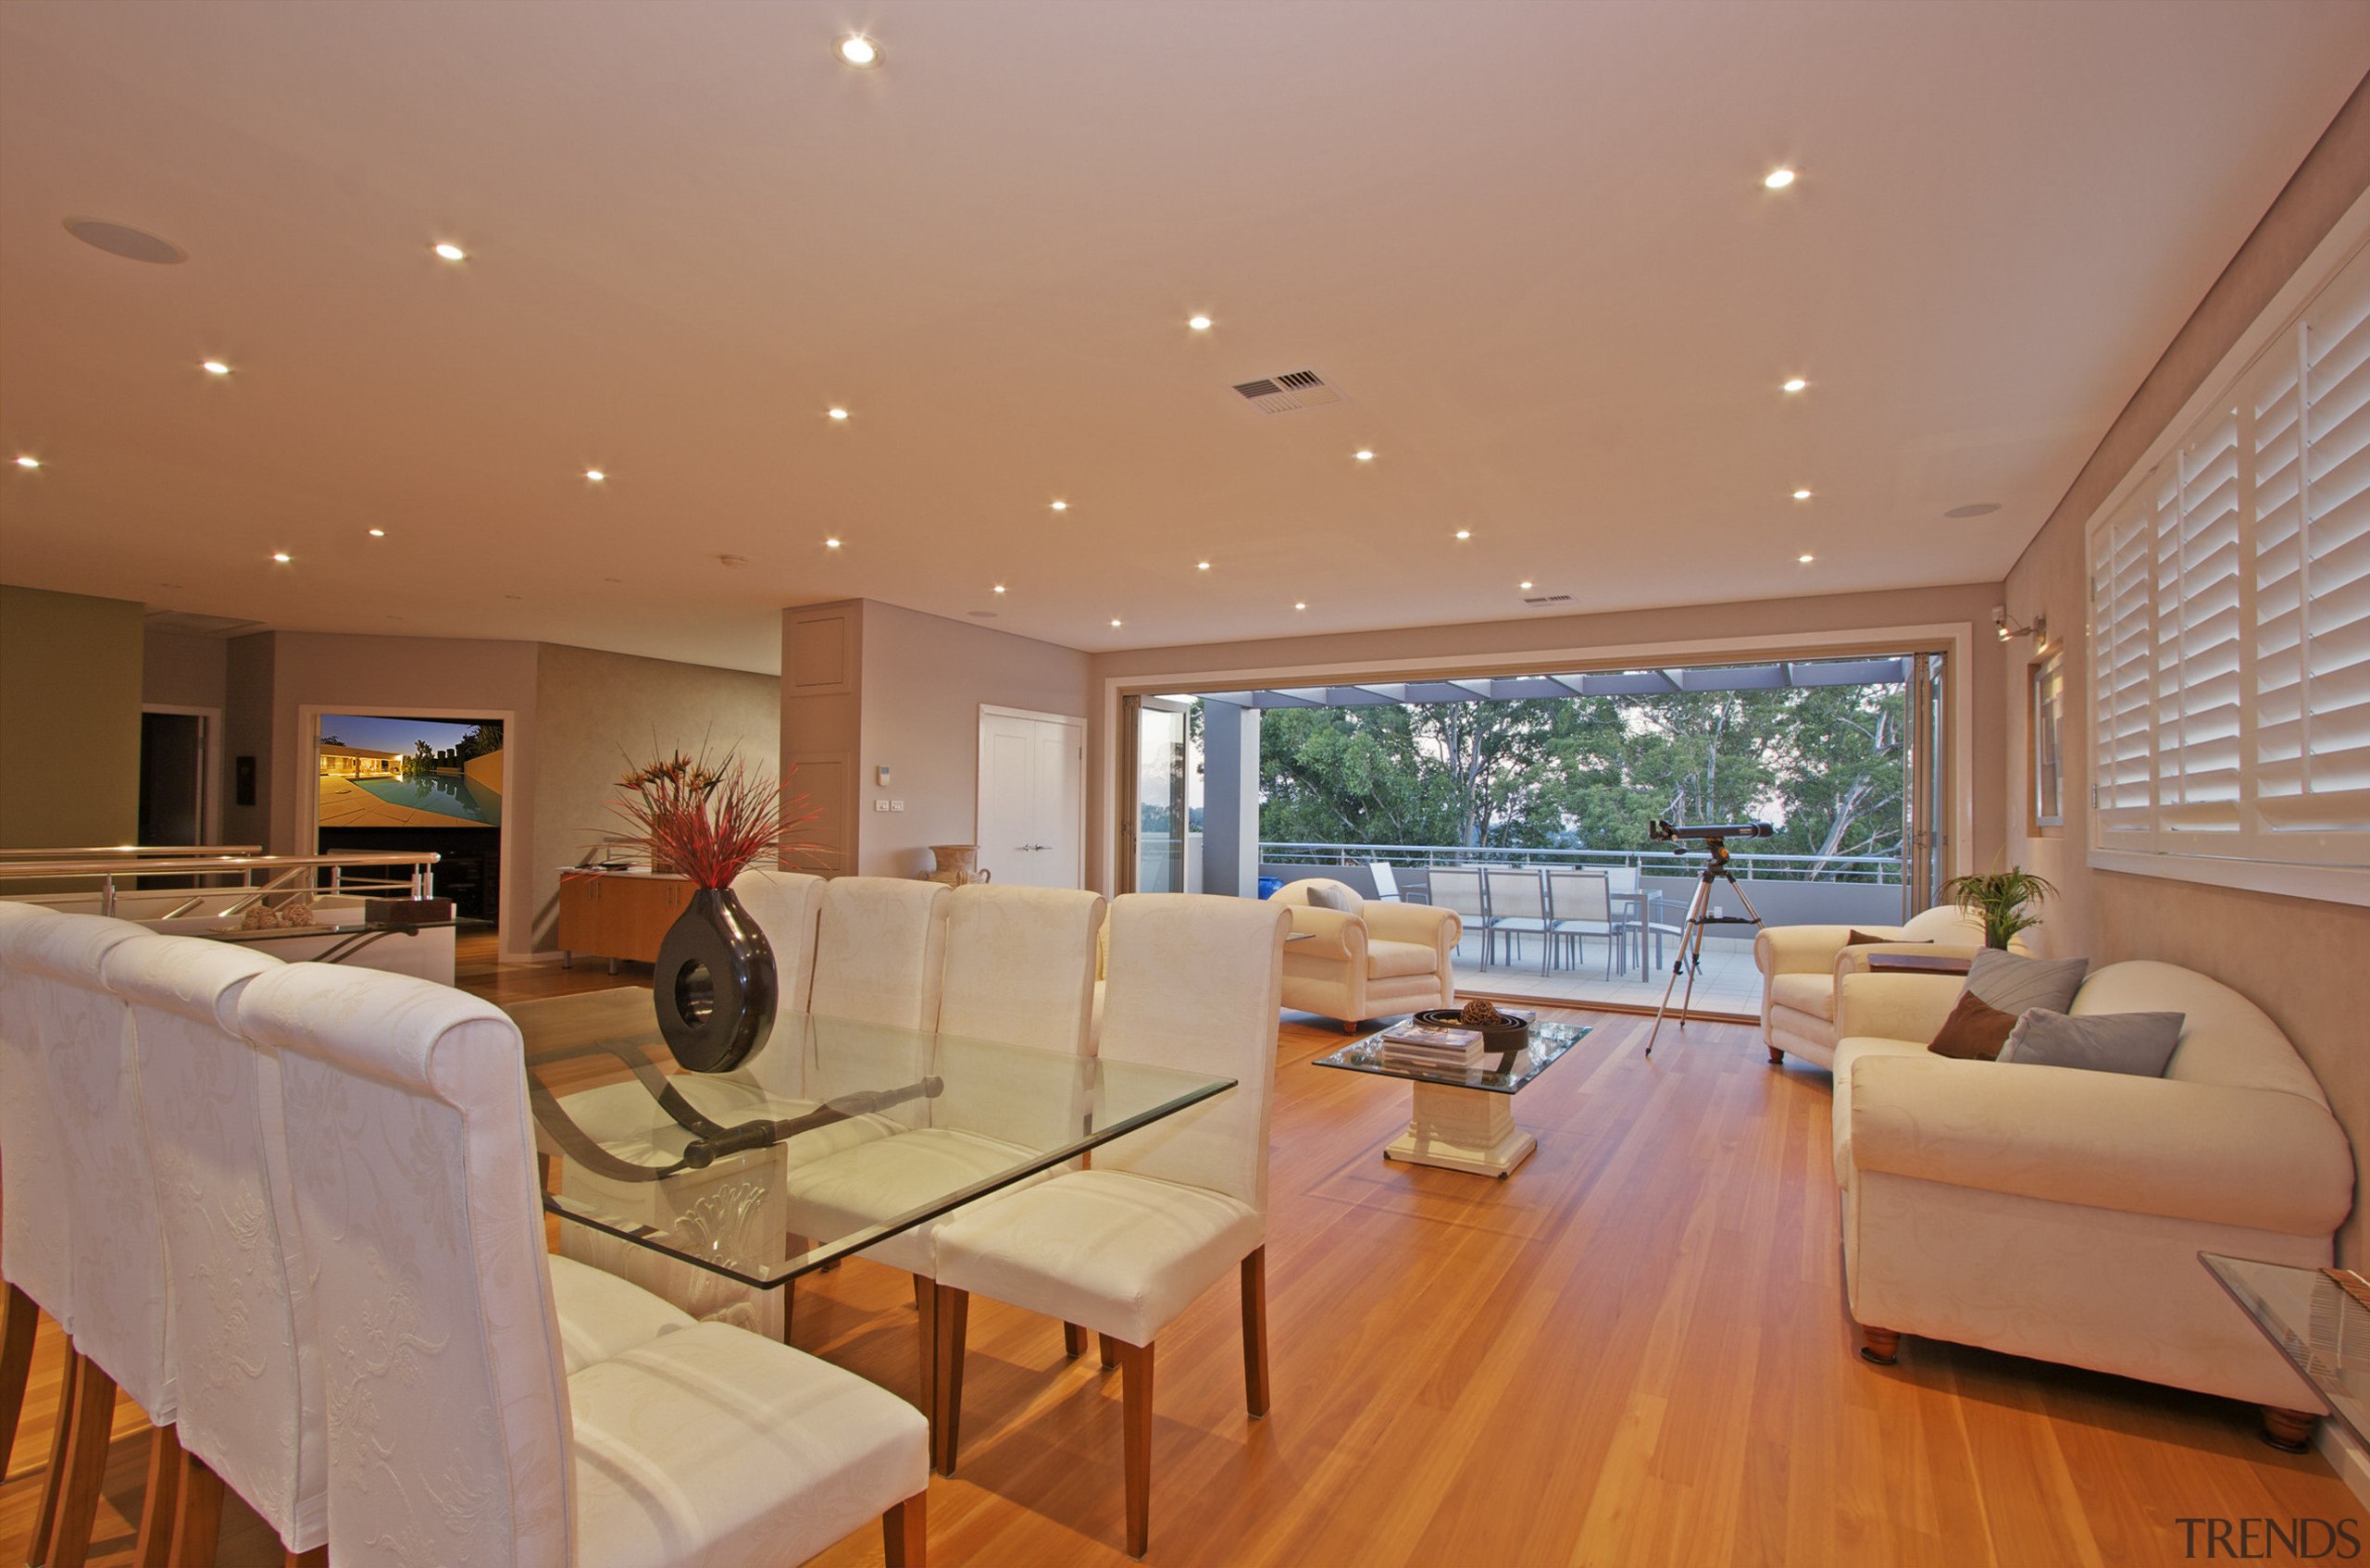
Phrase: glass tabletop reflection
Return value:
(832, 1134)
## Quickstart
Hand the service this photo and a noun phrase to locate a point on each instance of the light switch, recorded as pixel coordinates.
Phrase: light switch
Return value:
(896, 806)
(879, 806)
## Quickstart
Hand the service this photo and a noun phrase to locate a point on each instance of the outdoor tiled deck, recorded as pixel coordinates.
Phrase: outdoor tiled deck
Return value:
(1728, 984)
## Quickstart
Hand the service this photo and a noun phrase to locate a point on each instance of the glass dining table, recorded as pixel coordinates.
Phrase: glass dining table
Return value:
(719, 1170)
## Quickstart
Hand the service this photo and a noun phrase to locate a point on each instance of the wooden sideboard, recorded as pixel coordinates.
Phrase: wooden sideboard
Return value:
(616, 914)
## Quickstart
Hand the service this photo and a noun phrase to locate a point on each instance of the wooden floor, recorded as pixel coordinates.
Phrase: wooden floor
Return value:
(1633, 1352)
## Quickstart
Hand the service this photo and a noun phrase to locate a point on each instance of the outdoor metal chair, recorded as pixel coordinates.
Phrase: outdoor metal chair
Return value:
(1460, 891)
(1519, 908)
(1582, 906)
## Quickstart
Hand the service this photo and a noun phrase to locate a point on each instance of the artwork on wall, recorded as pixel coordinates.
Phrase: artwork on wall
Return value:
(2046, 703)
(378, 770)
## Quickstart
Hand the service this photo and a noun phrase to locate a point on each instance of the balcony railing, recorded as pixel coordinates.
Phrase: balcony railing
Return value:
(1748, 865)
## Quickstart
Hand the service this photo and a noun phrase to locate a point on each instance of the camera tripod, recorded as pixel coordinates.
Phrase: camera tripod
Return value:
(1690, 961)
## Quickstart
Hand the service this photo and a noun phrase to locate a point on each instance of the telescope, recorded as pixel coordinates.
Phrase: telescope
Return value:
(1662, 832)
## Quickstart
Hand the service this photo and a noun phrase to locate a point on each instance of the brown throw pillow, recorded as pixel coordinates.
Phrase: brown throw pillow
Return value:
(1861, 938)
(1974, 1031)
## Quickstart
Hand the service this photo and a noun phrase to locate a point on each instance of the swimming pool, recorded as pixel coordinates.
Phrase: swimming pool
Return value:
(446, 794)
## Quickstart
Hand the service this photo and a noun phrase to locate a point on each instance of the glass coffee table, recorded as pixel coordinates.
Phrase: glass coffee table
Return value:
(1463, 1120)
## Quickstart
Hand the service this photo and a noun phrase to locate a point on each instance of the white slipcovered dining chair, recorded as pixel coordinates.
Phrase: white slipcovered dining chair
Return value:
(1019, 970)
(1166, 1212)
(35, 1256)
(458, 1431)
(117, 1312)
(878, 943)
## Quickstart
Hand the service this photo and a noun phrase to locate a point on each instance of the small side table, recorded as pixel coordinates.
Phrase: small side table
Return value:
(2318, 1327)
(1463, 1120)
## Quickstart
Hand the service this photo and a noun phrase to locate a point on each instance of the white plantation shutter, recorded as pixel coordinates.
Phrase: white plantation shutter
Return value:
(2230, 615)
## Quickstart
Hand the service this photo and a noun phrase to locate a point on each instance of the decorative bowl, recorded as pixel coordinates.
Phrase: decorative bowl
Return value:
(1505, 1038)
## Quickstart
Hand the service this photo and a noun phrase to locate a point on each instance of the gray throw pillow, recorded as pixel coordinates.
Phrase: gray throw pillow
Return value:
(1321, 897)
(2014, 984)
(2138, 1043)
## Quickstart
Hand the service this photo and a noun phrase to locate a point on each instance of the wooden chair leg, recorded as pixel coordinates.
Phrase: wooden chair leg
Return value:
(158, 1504)
(86, 1465)
(2290, 1431)
(1255, 1332)
(61, 1439)
(1110, 1352)
(954, 1321)
(197, 1523)
(904, 1532)
(1073, 1341)
(789, 1306)
(926, 1382)
(1135, 1400)
(316, 1558)
(21, 1317)
(1880, 1347)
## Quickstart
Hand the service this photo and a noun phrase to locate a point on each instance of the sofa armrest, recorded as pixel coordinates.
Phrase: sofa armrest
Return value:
(2260, 1158)
(1422, 923)
(1910, 1007)
(1333, 934)
(1798, 949)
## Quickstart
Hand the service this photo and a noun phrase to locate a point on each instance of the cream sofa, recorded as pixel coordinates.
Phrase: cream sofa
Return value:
(2056, 1212)
(1799, 967)
(1369, 959)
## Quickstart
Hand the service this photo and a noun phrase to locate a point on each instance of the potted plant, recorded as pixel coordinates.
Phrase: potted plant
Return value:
(2002, 898)
(715, 983)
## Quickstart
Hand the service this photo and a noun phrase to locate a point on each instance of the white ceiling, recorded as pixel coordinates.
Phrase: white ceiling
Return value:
(1528, 240)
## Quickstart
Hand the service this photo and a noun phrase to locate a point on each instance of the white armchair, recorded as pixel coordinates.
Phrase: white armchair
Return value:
(1369, 958)
(1801, 967)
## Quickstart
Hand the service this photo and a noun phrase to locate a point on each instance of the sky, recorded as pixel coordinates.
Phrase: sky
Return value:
(379, 733)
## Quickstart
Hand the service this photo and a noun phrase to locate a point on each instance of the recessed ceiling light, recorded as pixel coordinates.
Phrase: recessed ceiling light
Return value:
(999, 588)
(1979, 509)
(377, 534)
(1363, 455)
(1199, 323)
(1465, 533)
(595, 475)
(834, 544)
(1524, 586)
(1114, 622)
(838, 413)
(1779, 179)
(28, 462)
(1801, 495)
(1061, 505)
(1805, 560)
(1201, 566)
(450, 251)
(281, 557)
(1301, 606)
(216, 368)
(1796, 384)
(858, 49)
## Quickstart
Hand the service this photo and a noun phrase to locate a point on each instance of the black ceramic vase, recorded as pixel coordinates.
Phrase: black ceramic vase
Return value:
(715, 982)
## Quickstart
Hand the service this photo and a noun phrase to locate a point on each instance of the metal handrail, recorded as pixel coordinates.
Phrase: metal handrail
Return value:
(281, 870)
(1879, 870)
(127, 851)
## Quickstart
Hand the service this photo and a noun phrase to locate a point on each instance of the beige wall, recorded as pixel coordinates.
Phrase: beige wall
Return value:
(867, 685)
(70, 719)
(925, 678)
(598, 714)
(2299, 960)
(1747, 628)
(180, 670)
(248, 663)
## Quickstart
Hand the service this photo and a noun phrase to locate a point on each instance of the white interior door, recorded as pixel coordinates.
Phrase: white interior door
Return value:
(1032, 784)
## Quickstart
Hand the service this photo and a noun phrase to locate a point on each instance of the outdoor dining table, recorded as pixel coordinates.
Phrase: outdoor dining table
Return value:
(694, 1165)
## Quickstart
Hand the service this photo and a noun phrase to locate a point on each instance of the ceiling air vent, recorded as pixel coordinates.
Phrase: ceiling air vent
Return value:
(1547, 599)
(1294, 389)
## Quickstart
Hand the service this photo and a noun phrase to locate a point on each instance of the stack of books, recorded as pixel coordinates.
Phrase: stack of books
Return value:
(1420, 1045)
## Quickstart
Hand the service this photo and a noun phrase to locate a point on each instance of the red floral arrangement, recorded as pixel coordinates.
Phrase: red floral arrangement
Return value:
(709, 821)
